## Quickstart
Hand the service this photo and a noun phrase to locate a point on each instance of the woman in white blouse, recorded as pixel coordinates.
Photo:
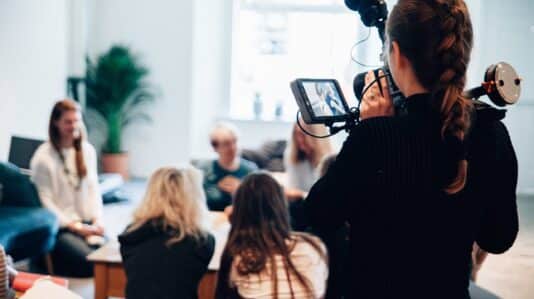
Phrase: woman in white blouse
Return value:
(303, 155)
(64, 169)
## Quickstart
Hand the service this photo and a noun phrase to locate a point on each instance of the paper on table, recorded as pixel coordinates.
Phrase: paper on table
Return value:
(220, 227)
(45, 289)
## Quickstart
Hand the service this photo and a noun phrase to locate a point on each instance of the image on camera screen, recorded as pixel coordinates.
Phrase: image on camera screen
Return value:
(324, 99)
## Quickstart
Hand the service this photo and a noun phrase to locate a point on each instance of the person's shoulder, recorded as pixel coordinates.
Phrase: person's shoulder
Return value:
(376, 129)
(88, 147)
(45, 148)
(42, 154)
(205, 165)
(308, 244)
(202, 245)
(378, 123)
(207, 241)
(248, 165)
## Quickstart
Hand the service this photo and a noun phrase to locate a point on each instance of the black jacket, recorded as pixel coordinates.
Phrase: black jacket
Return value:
(155, 270)
(409, 239)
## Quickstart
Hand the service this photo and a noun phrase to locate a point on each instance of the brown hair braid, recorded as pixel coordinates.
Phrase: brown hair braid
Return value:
(437, 36)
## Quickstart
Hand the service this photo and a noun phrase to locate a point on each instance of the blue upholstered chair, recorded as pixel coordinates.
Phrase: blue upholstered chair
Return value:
(26, 229)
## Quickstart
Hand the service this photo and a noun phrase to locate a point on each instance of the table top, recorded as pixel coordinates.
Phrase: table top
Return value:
(219, 227)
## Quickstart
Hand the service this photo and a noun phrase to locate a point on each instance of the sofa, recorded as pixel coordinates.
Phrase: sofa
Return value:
(269, 156)
(27, 230)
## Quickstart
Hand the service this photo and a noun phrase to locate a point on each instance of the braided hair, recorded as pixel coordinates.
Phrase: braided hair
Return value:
(437, 37)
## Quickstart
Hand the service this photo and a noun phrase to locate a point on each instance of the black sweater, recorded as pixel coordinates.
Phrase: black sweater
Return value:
(409, 239)
(155, 270)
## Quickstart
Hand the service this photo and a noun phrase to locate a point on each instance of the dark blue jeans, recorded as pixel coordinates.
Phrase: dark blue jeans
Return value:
(69, 256)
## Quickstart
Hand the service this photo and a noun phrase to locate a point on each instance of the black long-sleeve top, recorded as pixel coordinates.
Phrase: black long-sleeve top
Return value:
(409, 239)
(156, 269)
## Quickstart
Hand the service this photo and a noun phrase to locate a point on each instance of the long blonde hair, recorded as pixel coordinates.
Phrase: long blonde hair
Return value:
(174, 199)
(321, 146)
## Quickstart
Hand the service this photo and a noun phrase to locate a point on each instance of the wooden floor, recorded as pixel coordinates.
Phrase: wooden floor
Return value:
(508, 276)
(511, 275)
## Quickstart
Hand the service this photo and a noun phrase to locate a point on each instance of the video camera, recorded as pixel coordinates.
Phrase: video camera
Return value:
(321, 101)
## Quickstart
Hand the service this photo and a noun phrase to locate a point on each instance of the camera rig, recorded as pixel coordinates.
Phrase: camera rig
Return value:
(501, 82)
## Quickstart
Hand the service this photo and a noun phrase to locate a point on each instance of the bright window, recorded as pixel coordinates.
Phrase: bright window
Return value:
(277, 41)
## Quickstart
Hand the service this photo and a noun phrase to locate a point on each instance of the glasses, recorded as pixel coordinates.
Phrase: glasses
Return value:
(223, 143)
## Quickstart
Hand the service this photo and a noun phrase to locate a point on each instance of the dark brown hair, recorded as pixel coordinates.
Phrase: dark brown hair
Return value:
(53, 133)
(437, 36)
(261, 230)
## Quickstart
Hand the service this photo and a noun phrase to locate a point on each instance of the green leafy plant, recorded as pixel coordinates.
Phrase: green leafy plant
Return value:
(116, 95)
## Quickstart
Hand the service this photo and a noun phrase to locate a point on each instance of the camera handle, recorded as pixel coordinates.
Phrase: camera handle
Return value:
(352, 120)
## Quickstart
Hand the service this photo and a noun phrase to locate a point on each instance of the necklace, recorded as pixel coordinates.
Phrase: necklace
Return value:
(72, 178)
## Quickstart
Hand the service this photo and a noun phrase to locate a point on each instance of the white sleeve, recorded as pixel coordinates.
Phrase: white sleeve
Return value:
(95, 196)
(42, 178)
(317, 273)
(292, 172)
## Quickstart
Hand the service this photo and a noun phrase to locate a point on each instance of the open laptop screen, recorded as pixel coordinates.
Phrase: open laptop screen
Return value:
(21, 151)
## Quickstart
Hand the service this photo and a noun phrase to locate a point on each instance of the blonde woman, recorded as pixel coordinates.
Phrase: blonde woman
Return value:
(166, 250)
(302, 158)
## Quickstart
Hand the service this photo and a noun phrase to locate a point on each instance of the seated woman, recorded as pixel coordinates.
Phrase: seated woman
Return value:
(65, 173)
(223, 176)
(166, 250)
(263, 258)
(302, 158)
(302, 161)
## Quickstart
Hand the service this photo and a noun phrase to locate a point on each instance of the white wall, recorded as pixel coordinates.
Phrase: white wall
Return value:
(162, 33)
(507, 34)
(32, 66)
(212, 49)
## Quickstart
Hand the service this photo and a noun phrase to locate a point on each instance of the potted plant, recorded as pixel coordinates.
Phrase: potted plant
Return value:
(116, 93)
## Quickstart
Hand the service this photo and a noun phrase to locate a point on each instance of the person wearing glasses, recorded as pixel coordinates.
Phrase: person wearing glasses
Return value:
(223, 175)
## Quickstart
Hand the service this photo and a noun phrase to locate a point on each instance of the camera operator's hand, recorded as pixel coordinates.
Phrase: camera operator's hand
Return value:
(376, 102)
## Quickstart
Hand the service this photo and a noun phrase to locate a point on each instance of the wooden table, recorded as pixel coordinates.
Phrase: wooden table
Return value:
(110, 278)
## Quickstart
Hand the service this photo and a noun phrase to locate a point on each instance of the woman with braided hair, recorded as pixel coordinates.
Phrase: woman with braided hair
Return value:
(419, 189)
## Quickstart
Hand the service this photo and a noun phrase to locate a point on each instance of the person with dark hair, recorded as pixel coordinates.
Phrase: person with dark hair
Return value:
(434, 177)
(64, 170)
(263, 258)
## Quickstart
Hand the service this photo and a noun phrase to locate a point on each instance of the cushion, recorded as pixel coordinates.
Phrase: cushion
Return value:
(269, 156)
(17, 188)
(27, 232)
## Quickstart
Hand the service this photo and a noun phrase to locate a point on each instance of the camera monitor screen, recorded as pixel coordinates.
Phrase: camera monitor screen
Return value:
(320, 100)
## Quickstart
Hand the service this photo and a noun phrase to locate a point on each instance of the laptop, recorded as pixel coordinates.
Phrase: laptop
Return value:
(21, 152)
